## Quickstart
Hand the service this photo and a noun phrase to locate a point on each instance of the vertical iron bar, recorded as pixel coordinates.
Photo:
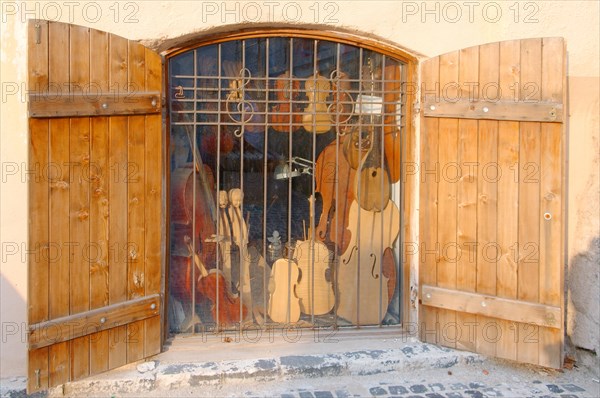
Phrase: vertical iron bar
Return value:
(242, 249)
(218, 172)
(289, 226)
(311, 207)
(194, 187)
(265, 167)
(337, 186)
(381, 129)
(358, 188)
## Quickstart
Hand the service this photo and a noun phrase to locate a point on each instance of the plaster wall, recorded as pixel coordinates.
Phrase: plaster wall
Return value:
(424, 28)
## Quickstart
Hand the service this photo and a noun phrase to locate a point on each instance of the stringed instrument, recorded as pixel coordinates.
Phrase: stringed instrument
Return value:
(333, 172)
(284, 111)
(372, 181)
(284, 304)
(226, 308)
(316, 117)
(391, 97)
(362, 285)
(314, 289)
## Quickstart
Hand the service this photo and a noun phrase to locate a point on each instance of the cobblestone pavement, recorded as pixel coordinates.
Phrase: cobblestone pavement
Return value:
(490, 378)
(460, 382)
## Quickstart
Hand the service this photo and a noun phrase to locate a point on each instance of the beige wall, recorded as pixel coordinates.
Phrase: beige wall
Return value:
(427, 29)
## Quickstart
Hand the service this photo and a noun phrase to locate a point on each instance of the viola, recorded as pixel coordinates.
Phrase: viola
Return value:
(284, 304)
(316, 117)
(284, 111)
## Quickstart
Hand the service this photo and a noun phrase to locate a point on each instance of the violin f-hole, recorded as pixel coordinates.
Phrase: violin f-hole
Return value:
(374, 256)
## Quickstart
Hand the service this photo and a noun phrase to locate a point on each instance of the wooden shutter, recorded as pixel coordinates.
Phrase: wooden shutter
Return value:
(491, 200)
(95, 203)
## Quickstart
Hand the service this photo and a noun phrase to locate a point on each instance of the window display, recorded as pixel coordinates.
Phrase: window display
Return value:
(284, 162)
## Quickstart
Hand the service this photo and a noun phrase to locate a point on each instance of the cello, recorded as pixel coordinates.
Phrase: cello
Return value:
(363, 290)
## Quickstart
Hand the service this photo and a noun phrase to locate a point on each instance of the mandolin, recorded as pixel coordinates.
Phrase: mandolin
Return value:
(284, 111)
(372, 181)
(284, 304)
(316, 117)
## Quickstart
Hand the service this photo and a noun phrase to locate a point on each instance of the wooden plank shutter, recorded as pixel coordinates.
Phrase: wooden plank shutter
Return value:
(95, 203)
(491, 200)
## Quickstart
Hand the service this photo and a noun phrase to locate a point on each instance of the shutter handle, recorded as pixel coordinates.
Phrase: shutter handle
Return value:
(37, 378)
(38, 36)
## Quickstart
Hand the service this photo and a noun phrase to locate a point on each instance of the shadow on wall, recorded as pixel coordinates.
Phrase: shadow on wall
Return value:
(13, 346)
(583, 286)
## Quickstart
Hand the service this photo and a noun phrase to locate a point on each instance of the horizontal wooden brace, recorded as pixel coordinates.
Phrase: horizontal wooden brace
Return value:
(495, 307)
(69, 327)
(77, 104)
(538, 111)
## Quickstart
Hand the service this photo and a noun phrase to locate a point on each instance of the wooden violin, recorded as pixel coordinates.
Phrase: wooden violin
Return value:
(283, 112)
(226, 308)
(316, 117)
(284, 304)
(314, 287)
(391, 96)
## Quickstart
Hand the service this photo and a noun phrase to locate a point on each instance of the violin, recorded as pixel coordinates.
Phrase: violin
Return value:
(316, 117)
(283, 112)
(284, 304)
(314, 287)
(361, 272)
(226, 308)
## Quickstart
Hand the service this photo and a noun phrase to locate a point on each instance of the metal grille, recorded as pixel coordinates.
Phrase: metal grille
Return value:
(284, 159)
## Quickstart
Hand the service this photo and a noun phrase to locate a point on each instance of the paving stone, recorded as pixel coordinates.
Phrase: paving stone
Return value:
(454, 395)
(554, 388)
(572, 388)
(459, 386)
(306, 394)
(474, 393)
(418, 388)
(569, 396)
(323, 394)
(434, 395)
(492, 392)
(377, 391)
(342, 394)
(476, 385)
(287, 396)
(398, 390)
(436, 387)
